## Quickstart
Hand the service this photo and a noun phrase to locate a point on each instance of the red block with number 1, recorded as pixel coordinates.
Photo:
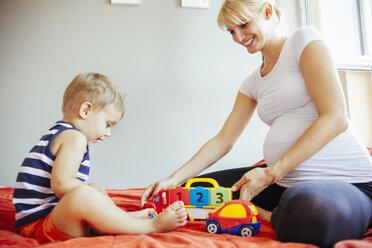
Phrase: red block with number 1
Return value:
(179, 194)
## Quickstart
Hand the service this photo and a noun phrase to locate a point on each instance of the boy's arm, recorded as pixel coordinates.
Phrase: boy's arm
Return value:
(69, 148)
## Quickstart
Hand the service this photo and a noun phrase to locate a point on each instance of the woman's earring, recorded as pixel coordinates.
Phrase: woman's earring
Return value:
(268, 12)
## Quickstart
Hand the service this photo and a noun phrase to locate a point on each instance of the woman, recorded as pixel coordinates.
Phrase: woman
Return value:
(317, 181)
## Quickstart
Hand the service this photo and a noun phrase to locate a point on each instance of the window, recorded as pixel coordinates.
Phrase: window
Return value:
(338, 21)
(345, 24)
(233, 210)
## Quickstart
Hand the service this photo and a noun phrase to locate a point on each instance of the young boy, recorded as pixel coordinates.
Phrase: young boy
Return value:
(51, 199)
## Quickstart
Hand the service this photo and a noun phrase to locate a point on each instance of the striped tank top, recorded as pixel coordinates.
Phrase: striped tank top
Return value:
(33, 197)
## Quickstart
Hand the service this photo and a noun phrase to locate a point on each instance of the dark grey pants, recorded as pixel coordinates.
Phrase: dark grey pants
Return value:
(320, 212)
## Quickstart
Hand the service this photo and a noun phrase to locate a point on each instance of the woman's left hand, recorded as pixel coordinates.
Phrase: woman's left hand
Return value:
(253, 182)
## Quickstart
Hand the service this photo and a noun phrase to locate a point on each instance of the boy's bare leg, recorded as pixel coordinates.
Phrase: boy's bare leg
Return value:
(144, 213)
(84, 206)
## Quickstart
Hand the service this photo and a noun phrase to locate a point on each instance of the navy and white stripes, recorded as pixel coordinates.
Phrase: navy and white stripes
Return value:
(33, 198)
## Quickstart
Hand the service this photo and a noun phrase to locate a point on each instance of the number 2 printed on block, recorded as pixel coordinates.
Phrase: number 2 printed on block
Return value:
(199, 197)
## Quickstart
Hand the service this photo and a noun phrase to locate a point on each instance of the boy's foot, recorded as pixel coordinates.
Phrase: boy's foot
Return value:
(172, 217)
(143, 214)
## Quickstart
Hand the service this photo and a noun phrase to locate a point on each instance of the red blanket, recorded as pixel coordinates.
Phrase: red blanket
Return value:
(191, 235)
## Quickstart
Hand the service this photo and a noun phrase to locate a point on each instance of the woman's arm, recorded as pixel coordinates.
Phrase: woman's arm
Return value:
(211, 151)
(221, 144)
(325, 90)
(324, 87)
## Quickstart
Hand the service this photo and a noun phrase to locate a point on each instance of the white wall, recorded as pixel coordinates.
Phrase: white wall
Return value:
(181, 74)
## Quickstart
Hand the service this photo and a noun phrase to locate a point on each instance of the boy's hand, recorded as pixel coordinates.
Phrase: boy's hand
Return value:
(155, 188)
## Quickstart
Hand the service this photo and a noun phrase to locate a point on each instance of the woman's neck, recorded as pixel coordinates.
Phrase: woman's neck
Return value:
(271, 53)
(272, 50)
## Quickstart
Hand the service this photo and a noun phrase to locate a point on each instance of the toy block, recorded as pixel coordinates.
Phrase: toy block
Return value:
(199, 197)
(163, 194)
(161, 200)
(220, 195)
(179, 194)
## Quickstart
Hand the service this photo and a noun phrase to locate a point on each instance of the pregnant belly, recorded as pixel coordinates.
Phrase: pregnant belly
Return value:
(284, 131)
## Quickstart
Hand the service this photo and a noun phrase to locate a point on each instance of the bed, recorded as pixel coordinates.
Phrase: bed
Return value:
(191, 235)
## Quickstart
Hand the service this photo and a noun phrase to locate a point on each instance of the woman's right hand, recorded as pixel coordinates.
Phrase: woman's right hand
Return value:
(155, 188)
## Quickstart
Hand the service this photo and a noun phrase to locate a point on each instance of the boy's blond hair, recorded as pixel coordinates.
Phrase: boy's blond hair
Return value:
(237, 12)
(94, 88)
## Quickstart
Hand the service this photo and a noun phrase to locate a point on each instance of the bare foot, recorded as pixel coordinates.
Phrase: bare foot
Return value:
(172, 217)
(264, 214)
(143, 214)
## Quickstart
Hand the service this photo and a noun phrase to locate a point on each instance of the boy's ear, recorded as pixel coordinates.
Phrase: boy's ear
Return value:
(85, 109)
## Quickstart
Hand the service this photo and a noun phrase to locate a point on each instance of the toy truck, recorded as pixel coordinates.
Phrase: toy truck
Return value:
(199, 201)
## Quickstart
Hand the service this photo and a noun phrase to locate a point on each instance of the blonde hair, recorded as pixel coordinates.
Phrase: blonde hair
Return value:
(237, 12)
(94, 88)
